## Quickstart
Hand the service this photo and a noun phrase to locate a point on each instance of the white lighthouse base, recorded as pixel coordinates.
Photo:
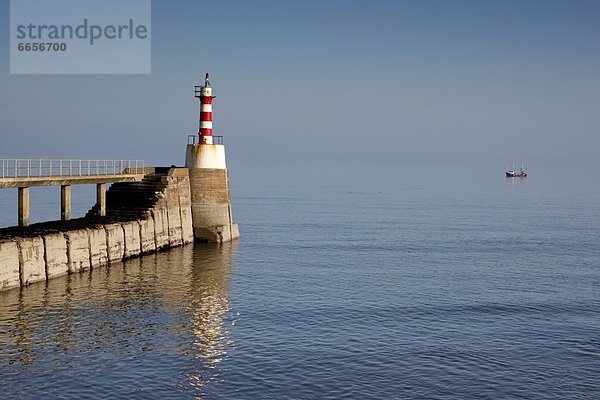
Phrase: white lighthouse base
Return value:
(211, 200)
(205, 156)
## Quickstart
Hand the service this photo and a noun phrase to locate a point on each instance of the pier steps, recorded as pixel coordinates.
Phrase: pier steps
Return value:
(133, 200)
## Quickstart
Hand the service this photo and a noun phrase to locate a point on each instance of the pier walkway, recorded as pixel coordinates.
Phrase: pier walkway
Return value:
(25, 173)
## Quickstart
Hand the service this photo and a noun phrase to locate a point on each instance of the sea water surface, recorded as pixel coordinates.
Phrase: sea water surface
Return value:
(445, 282)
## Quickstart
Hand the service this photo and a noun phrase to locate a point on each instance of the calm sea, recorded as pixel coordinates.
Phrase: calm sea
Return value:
(445, 282)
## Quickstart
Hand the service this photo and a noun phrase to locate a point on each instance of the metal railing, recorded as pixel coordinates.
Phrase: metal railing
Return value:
(195, 139)
(40, 168)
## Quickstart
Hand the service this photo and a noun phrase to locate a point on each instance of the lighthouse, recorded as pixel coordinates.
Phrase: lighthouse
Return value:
(209, 179)
(204, 93)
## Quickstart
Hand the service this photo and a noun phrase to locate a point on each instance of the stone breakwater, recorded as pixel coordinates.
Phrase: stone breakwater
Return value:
(51, 250)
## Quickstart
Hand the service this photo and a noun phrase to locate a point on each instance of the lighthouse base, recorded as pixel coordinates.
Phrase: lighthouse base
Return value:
(211, 200)
(217, 234)
(210, 156)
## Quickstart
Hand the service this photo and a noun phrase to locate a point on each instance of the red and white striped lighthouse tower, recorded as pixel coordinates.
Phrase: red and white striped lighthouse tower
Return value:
(204, 93)
(209, 180)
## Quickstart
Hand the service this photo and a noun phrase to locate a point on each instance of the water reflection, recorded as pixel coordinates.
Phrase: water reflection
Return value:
(208, 308)
(157, 323)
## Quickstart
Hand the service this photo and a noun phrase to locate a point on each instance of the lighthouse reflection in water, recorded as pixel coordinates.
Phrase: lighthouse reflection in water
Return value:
(150, 326)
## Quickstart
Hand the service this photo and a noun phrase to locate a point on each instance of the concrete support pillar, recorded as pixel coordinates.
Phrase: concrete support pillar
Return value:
(23, 206)
(101, 199)
(209, 188)
(65, 202)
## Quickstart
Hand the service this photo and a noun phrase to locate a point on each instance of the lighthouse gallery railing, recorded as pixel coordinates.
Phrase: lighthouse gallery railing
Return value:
(195, 139)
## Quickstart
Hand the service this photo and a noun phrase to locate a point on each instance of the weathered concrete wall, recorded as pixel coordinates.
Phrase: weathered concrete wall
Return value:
(188, 228)
(169, 224)
(98, 247)
(78, 250)
(172, 214)
(55, 247)
(9, 265)
(115, 242)
(175, 231)
(133, 245)
(218, 234)
(148, 245)
(32, 266)
(210, 196)
(211, 205)
(176, 201)
(161, 228)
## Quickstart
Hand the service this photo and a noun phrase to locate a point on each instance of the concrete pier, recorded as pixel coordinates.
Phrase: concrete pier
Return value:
(44, 251)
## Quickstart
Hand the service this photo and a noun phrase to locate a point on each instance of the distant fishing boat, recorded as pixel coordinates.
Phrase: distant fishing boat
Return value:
(523, 173)
(511, 173)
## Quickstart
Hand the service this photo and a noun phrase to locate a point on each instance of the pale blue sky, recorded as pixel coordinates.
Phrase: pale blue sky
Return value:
(350, 82)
